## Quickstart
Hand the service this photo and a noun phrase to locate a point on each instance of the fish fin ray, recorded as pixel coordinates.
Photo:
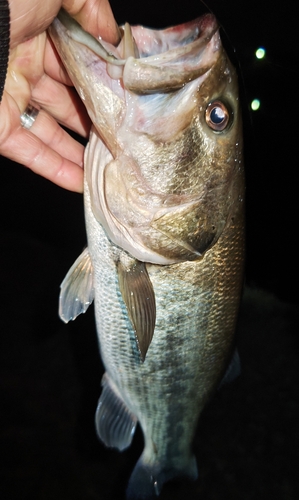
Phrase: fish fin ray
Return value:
(76, 290)
(115, 423)
(146, 481)
(139, 296)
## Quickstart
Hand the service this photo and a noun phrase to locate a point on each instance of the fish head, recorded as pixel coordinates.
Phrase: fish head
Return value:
(164, 166)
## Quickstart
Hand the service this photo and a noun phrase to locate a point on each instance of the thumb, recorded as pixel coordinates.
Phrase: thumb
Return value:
(95, 16)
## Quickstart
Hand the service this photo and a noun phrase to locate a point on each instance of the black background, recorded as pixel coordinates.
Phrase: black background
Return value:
(247, 442)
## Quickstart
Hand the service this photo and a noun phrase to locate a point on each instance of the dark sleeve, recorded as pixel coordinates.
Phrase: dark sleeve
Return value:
(4, 42)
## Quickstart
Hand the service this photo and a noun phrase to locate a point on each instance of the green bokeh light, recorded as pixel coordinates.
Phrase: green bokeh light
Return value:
(255, 104)
(260, 53)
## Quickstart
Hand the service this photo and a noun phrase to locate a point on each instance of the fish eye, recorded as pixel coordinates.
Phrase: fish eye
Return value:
(217, 116)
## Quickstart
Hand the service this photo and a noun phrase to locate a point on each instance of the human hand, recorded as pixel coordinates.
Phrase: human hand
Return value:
(36, 75)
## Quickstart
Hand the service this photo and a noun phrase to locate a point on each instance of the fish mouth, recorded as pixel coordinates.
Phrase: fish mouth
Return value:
(150, 60)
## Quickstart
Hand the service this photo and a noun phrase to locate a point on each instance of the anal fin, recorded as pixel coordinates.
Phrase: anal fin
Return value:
(115, 424)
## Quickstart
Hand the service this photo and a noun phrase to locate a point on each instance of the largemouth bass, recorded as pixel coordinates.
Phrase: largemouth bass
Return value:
(164, 207)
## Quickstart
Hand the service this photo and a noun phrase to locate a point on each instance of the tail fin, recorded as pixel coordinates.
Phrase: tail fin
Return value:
(146, 481)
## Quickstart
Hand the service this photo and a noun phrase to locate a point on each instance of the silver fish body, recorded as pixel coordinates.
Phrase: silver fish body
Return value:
(164, 207)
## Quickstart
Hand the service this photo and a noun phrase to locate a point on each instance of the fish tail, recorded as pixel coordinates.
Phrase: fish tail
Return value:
(147, 480)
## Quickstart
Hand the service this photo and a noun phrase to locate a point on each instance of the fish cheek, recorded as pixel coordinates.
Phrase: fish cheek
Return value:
(122, 188)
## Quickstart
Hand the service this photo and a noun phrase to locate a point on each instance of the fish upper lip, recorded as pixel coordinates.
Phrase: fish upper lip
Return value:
(200, 31)
(169, 59)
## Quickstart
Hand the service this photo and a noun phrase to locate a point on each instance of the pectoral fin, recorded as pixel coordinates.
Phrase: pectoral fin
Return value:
(139, 296)
(115, 424)
(76, 290)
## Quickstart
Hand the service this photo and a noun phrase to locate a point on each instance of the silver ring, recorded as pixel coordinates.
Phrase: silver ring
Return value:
(29, 116)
